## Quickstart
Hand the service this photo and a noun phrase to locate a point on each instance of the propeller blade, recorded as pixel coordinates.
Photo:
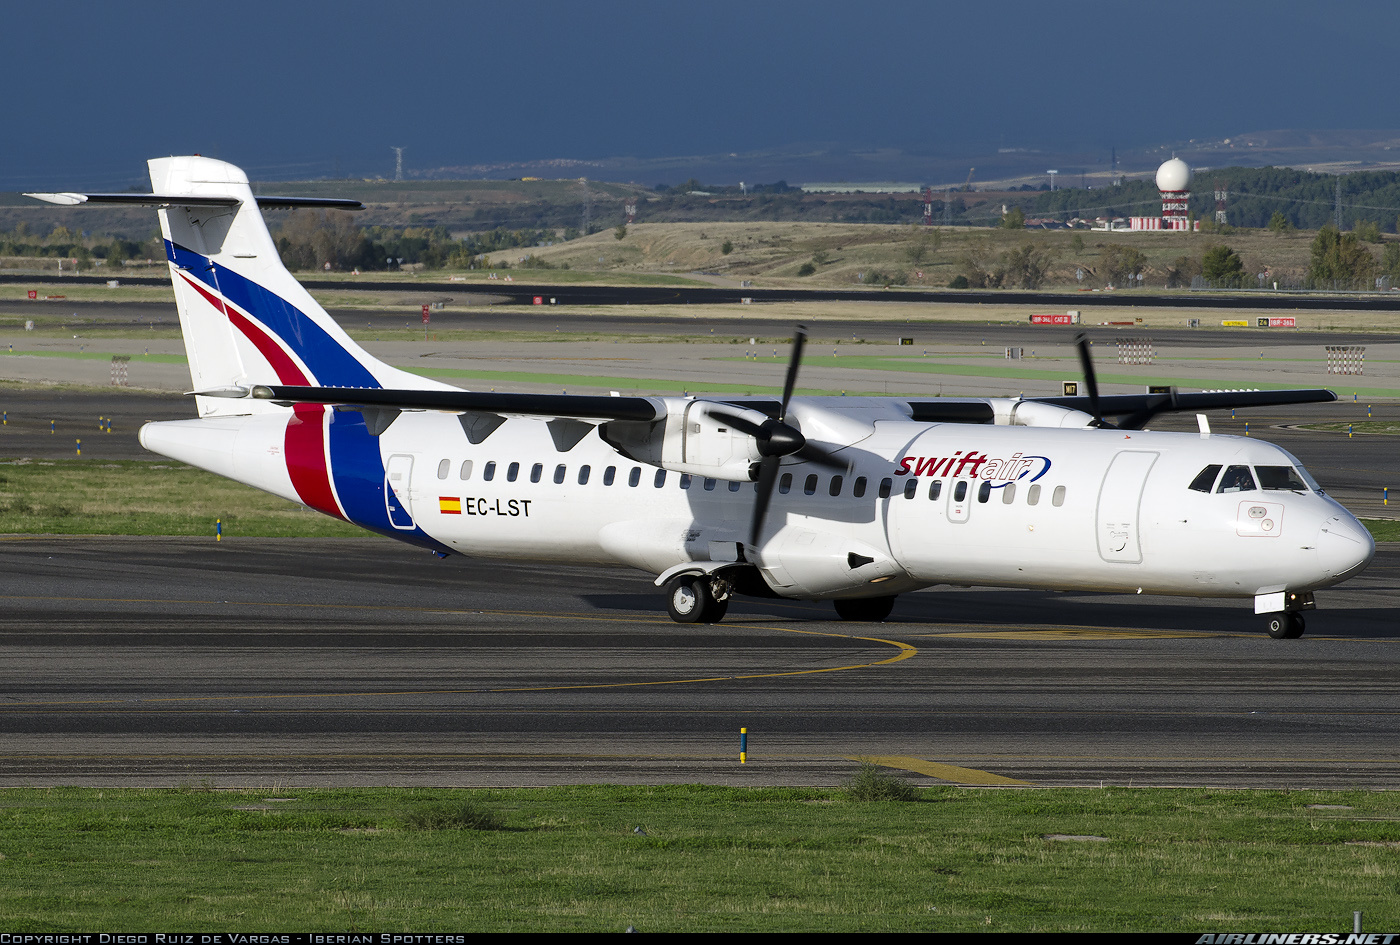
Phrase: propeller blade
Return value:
(1158, 404)
(1091, 382)
(818, 456)
(740, 423)
(767, 479)
(799, 340)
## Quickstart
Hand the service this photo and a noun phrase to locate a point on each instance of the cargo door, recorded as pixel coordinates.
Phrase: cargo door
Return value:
(1120, 502)
(398, 495)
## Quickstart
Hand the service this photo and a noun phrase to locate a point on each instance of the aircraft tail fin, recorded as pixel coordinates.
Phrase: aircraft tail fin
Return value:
(245, 319)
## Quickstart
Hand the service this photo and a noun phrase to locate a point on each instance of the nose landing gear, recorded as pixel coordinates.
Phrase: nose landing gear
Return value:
(1288, 625)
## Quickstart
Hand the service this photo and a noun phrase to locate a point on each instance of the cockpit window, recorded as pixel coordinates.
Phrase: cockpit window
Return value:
(1280, 477)
(1236, 479)
(1205, 478)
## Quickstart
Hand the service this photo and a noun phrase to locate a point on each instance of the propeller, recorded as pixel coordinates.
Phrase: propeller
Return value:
(776, 439)
(1138, 419)
(1091, 382)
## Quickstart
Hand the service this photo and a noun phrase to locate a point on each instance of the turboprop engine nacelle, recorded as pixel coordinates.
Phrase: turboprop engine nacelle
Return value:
(689, 439)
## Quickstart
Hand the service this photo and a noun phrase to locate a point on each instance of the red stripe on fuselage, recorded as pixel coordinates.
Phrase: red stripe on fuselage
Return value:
(305, 440)
(306, 458)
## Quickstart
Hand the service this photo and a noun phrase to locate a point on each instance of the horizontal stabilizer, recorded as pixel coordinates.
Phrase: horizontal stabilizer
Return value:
(187, 200)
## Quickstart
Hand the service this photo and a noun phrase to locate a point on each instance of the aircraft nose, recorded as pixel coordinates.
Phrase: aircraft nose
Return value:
(1344, 546)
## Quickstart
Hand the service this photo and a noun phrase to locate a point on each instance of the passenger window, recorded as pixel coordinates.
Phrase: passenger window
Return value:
(635, 476)
(935, 489)
(444, 468)
(734, 485)
(858, 490)
(960, 491)
(1033, 495)
(1236, 479)
(984, 492)
(1283, 478)
(489, 472)
(536, 471)
(1205, 479)
(1008, 493)
(810, 486)
(559, 472)
(685, 480)
(660, 478)
(911, 486)
(785, 483)
(512, 472)
(835, 485)
(609, 475)
(1057, 498)
(583, 472)
(466, 469)
(709, 485)
(886, 485)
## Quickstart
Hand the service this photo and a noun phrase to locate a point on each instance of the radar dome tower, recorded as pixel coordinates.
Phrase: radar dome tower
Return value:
(1173, 179)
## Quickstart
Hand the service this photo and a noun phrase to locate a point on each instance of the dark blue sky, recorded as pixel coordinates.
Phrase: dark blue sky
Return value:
(287, 89)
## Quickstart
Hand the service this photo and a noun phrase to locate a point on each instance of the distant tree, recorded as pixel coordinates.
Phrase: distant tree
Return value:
(1122, 263)
(1368, 230)
(1076, 243)
(1222, 267)
(726, 247)
(1027, 265)
(917, 250)
(1278, 223)
(979, 266)
(806, 269)
(1390, 261)
(1339, 259)
(1013, 219)
(1182, 271)
(621, 232)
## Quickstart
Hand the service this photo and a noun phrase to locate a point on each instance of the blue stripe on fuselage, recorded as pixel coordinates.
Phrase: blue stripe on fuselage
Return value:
(357, 467)
(329, 363)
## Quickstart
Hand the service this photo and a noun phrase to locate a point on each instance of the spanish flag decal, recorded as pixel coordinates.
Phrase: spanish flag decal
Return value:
(449, 505)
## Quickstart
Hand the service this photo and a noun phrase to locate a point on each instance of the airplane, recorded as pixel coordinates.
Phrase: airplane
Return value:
(849, 499)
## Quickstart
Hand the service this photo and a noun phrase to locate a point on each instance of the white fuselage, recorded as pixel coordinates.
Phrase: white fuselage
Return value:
(919, 504)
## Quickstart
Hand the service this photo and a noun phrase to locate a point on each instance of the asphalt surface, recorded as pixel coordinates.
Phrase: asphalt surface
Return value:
(484, 313)
(264, 663)
(288, 663)
(525, 292)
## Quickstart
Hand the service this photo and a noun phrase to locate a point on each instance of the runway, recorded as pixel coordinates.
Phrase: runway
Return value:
(524, 293)
(270, 663)
(132, 661)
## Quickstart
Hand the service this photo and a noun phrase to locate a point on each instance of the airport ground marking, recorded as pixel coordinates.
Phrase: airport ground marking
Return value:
(905, 652)
(943, 772)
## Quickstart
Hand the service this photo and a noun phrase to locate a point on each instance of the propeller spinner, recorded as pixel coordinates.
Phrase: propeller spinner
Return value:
(776, 439)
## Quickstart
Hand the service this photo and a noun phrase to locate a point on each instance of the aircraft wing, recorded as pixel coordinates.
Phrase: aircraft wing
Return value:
(1117, 405)
(580, 406)
(939, 410)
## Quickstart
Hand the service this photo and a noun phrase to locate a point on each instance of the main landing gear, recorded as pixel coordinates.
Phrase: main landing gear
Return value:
(697, 598)
(1287, 625)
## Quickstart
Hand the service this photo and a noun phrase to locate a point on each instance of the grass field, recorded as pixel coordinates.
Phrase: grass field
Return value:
(134, 497)
(693, 858)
